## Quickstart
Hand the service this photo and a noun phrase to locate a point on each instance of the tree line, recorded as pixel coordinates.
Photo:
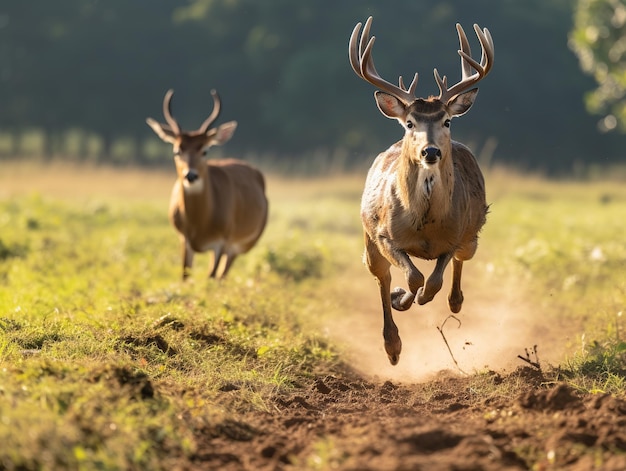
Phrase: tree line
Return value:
(95, 69)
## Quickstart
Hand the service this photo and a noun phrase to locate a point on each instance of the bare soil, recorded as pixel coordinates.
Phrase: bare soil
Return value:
(426, 413)
(345, 422)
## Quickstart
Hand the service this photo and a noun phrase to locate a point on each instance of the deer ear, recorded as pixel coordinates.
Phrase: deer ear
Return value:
(460, 104)
(389, 105)
(162, 130)
(222, 134)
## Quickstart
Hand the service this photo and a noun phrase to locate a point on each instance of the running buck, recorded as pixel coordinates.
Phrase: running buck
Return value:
(217, 206)
(424, 197)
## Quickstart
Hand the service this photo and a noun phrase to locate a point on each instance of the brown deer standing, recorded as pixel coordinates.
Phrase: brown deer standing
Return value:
(217, 206)
(424, 196)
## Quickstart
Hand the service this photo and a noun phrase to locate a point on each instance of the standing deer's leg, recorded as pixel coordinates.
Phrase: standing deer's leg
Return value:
(435, 280)
(230, 258)
(187, 258)
(379, 267)
(217, 256)
(455, 299)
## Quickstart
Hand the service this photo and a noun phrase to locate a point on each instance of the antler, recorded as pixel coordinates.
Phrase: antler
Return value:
(204, 127)
(217, 105)
(363, 65)
(168, 113)
(467, 64)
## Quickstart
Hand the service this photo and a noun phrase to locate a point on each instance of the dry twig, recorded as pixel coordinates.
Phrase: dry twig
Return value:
(440, 329)
(528, 359)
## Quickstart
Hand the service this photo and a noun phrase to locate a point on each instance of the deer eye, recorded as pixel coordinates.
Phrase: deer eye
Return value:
(446, 123)
(409, 124)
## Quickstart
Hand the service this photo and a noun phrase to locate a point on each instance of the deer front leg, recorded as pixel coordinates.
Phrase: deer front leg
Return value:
(217, 256)
(230, 258)
(401, 300)
(435, 280)
(187, 257)
(378, 266)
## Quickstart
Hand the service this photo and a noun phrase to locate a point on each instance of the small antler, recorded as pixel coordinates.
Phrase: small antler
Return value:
(204, 127)
(168, 113)
(469, 78)
(217, 105)
(363, 65)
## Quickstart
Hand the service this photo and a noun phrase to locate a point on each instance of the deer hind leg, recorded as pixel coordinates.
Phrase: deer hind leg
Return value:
(455, 299)
(187, 258)
(379, 267)
(435, 280)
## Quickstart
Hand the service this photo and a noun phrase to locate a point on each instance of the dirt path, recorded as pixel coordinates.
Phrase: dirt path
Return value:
(495, 325)
(369, 415)
(347, 423)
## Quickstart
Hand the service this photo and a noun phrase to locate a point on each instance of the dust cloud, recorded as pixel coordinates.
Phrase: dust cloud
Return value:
(495, 325)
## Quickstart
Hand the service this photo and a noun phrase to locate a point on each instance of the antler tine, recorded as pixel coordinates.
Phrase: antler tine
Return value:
(353, 52)
(363, 64)
(466, 51)
(167, 112)
(412, 86)
(468, 64)
(217, 106)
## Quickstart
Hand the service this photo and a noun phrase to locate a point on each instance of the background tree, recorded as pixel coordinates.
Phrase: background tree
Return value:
(97, 69)
(599, 41)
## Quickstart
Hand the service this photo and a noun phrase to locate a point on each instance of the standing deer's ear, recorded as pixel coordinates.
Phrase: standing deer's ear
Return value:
(460, 104)
(162, 130)
(389, 105)
(222, 134)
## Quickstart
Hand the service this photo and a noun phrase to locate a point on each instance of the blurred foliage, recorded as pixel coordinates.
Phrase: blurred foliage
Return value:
(599, 40)
(86, 74)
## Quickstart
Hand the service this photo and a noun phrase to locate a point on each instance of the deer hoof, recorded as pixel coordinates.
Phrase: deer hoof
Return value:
(423, 299)
(455, 303)
(393, 350)
(401, 300)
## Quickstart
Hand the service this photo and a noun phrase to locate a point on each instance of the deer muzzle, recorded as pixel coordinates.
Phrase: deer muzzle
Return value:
(431, 155)
(191, 176)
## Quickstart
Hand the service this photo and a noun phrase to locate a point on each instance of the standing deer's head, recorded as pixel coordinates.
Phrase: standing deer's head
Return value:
(426, 121)
(190, 146)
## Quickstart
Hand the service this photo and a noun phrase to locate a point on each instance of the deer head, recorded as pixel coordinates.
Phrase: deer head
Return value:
(190, 146)
(426, 121)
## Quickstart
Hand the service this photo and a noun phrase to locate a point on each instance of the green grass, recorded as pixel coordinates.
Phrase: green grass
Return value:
(108, 361)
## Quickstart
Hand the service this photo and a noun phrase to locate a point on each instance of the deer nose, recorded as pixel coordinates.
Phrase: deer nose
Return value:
(431, 154)
(191, 176)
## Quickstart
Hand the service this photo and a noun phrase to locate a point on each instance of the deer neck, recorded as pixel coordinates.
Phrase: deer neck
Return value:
(425, 190)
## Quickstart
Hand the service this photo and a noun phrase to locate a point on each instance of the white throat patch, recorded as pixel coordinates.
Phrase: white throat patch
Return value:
(195, 187)
(431, 177)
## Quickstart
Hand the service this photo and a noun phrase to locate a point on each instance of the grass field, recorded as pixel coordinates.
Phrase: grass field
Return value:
(108, 361)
